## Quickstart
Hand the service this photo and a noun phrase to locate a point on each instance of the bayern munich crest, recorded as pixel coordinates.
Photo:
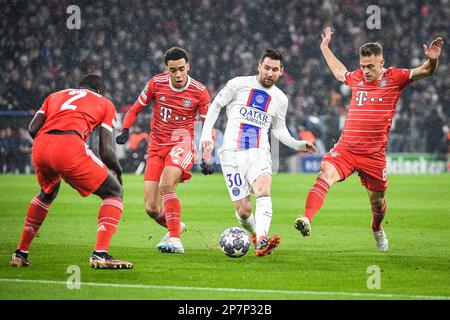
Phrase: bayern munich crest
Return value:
(383, 83)
(334, 154)
(186, 102)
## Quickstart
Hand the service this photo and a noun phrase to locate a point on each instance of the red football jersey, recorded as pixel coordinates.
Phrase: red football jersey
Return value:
(174, 110)
(371, 109)
(80, 110)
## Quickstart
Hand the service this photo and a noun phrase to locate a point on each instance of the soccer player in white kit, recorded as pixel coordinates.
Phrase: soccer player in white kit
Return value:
(253, 104)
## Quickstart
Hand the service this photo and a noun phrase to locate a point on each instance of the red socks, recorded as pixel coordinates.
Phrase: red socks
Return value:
(378, 216)
(37, 211)
(108, 219)
(172, 212)
(316, 197)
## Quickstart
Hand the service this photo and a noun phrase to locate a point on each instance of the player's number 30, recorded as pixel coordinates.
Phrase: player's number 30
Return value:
(236, 180)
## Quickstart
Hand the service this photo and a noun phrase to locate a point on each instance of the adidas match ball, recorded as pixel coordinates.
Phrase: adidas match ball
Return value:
(234, 242)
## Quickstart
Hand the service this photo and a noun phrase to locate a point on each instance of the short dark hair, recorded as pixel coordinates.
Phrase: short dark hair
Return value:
(175, 53)
(93, 82)
(272, 54)
(371, 48)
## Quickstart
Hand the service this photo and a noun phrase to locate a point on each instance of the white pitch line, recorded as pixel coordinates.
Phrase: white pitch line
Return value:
(142, 286)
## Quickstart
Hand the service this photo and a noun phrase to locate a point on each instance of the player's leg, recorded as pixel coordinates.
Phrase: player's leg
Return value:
(49, 181)
(152, 200)
(372, 172)
(263, 215)
(152, 196)
(170, 178)
(336, 166)
(111, 192)
(245, 216)
(378, 204)
(233, 168)
(36, 214)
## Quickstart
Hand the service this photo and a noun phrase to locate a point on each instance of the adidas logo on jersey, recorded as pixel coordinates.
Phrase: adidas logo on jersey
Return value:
(360, 84)
(162, 98)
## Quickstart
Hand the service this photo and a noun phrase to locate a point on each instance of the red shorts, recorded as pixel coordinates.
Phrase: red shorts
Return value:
(371, 168)
(158, 157)
(67, 157)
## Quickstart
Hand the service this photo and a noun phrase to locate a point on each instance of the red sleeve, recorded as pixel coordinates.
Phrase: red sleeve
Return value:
(144, 99)
(44, 107)
(109, 120)
(353, 78)
(205, 101)
(403, 77)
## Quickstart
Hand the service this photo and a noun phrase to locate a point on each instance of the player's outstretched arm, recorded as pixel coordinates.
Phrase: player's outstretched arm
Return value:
(433, 53)
(336, 67)
(206, 139)
(107, 154)
(281, 132)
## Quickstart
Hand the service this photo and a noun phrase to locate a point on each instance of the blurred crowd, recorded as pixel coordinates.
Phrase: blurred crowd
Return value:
(124, 41)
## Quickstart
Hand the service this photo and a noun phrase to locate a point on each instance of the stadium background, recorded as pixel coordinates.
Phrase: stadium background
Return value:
(124, 41)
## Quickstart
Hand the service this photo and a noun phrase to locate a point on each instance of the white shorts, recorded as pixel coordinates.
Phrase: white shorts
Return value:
(241, 168)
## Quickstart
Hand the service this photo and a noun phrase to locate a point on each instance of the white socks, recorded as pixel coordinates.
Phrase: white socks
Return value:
(249, 223)
(263, 215)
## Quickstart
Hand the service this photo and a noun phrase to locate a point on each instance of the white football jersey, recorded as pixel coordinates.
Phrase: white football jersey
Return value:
(251, 109)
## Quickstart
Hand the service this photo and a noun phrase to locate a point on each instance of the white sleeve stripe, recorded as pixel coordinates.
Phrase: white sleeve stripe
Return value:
(104, 125)
(411, 73)
(140, 101)
(40, 111)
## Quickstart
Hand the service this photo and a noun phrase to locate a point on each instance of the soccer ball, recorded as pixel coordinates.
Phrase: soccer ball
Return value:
(234, 242)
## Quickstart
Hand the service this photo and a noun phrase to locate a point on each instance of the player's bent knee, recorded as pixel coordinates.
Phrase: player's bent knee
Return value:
(377, 203)
(243, 208)
(110, 188)
(166, 187)
(49, 197)
(329, 173)
(152, 210)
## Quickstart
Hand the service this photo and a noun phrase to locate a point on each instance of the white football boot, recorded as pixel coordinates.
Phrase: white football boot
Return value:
(381, 240)
(167, 235)
(173, 245)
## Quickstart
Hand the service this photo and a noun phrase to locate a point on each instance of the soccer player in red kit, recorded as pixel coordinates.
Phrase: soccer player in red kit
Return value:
(60, 129)
(362, 145)
(177, 99)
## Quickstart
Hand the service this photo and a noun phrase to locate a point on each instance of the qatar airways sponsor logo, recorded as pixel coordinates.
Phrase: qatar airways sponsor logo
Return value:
(254, 116)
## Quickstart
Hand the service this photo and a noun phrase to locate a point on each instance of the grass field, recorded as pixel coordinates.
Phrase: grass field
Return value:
(331, 264)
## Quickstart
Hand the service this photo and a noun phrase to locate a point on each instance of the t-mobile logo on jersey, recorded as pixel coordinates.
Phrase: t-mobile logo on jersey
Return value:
(166, 113)
(361, 96)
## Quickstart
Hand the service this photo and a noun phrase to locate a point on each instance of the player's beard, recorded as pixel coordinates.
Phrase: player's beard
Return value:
(267, 83)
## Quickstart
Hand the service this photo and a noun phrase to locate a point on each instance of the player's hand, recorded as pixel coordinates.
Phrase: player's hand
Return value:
(208, 146)
(310, 147)
(434, 50)
(326, 37)
(206, 167)
(123, 136)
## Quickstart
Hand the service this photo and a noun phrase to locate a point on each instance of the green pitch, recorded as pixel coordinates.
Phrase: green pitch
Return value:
(336, 262)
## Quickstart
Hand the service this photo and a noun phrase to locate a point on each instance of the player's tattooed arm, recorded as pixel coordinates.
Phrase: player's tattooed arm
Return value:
(107, 154)
(433, 53)
(36, 124)
(336, 66)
